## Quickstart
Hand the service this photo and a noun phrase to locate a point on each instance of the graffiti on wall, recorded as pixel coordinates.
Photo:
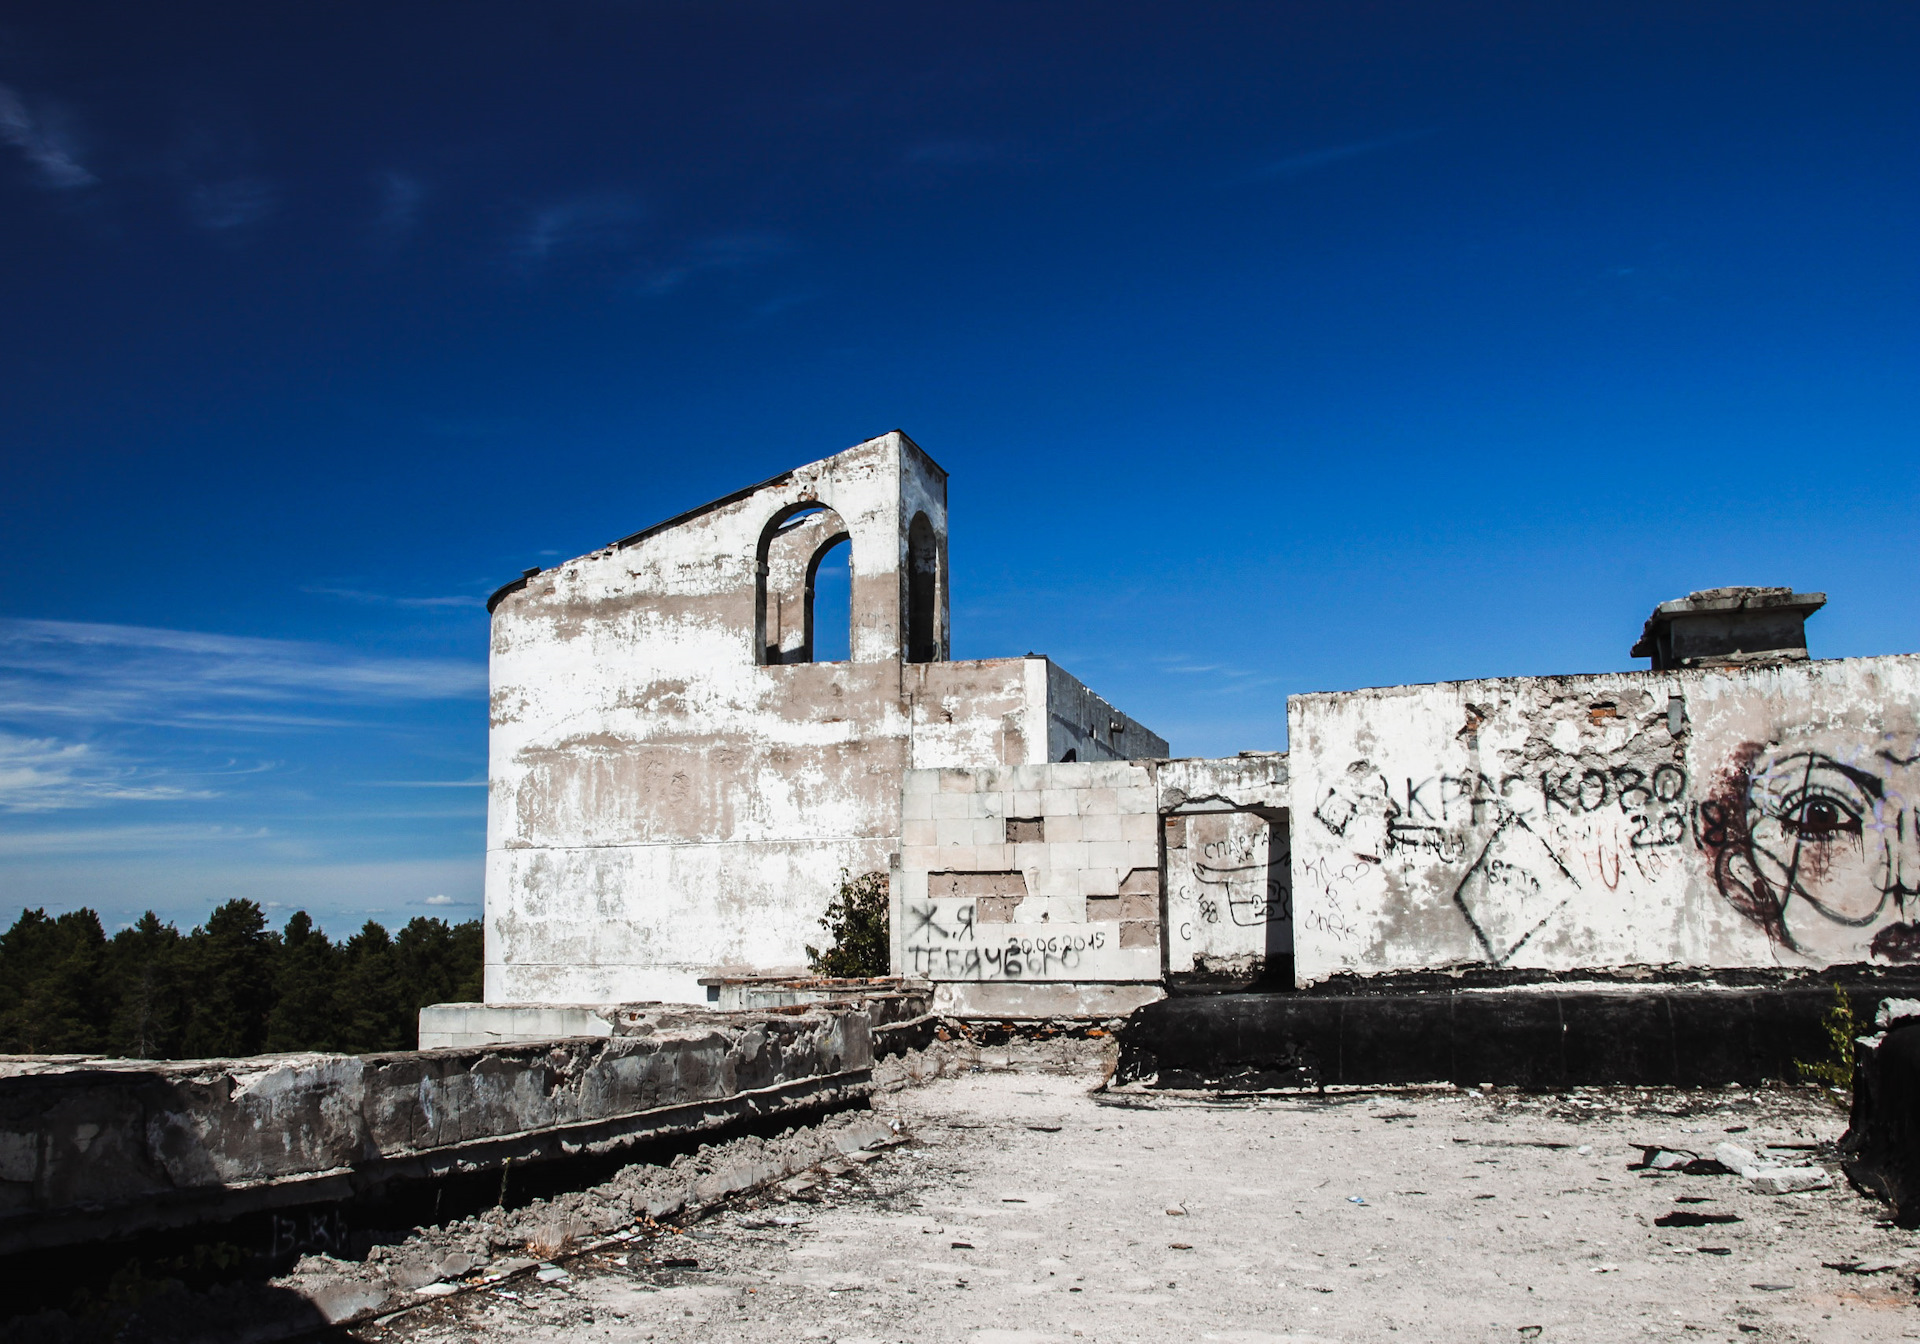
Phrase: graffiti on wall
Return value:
(1815, 842)
(1229, 893)
(1811, 838)
(945, 939)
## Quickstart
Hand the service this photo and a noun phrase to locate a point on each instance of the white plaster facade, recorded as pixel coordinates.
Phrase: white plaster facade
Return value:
(673, 794)
(1720, 818)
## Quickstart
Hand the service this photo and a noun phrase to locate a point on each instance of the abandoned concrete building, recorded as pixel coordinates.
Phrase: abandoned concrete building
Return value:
(677, 785)
(1653, 878)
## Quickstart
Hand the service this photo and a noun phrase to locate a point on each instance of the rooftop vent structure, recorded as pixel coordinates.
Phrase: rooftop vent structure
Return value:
(1729, 627)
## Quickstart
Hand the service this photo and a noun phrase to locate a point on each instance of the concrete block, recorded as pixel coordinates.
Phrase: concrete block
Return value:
(1027, 803)
(953, 831)
(1060, 803)
(1100, 802)
(1065, 856)
(1071, 829)
(1099, 881)
(1055, 882)
(957, 781)
(917, 806)
(1112, 854)
(1140, 826)
(915, 832)
(1101, 827)
(1138, 799)
(917, 782)
(948, 806)
(1002, 999)
(988, 831)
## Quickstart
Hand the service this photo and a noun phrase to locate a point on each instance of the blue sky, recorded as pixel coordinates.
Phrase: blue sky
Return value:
(1271, 347)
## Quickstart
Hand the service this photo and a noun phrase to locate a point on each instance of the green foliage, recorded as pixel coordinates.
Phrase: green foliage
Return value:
(1834, 1072)
(230, 987)
(857, 919)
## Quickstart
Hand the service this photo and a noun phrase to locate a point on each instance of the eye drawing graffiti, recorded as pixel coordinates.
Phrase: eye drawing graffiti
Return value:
(1819, 852)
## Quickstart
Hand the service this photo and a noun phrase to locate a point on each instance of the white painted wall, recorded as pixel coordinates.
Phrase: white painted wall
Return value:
(665, 806)
(1701, 818)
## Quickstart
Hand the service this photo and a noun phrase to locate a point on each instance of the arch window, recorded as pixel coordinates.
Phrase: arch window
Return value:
(923, 592)
(804, 603)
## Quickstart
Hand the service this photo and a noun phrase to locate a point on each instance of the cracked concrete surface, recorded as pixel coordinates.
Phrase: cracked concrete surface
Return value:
(1028, 1209)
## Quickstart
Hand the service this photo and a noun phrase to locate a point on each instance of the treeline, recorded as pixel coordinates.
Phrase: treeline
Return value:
(231, 986)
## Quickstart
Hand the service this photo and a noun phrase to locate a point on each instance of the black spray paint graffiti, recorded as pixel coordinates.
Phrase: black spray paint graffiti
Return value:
(949, 949)
(1257, 892)
(1819, 844)
(1514, 881)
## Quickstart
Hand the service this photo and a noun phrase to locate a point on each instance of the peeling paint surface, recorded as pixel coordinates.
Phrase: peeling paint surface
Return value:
(675, 789)
(1717, 818)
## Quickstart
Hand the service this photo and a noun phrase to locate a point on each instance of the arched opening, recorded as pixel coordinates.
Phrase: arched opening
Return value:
(804, 550)
(923, 592)
(830, 602)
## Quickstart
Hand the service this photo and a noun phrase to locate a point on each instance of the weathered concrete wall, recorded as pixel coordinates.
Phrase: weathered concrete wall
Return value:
(673, 795)
(1081, 876)
(98, 1148)
(1229, 915)
(1029, 873)
(1714, 818)
(461, 1026)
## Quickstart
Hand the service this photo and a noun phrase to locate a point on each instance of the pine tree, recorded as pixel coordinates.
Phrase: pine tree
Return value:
(143, 963)
(231, 959)
(305, 1015)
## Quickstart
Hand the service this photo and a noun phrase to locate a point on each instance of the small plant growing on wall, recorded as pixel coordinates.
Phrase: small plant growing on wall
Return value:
(857, 920)
(1833, 1074)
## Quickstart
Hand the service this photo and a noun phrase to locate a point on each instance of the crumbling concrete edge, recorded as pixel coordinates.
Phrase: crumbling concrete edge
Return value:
(38, 1231)
(687, 1212)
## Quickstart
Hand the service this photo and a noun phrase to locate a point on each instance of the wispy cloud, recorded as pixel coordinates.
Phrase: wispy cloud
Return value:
(103, 840)
(43, 774)
(425, 783)
(724, 252)
(1297, 165)
(44, 141)
(238, 203)
(596, 222)
(140, 674)
(387, 600)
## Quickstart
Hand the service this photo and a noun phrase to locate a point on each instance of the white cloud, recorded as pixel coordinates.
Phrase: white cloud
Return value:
(1297, 164)
(43, 141)
(104, 840)
(139, 674)
(43, 774)
(723, 252)
(597, 222)
(385, 600)
(441, 900)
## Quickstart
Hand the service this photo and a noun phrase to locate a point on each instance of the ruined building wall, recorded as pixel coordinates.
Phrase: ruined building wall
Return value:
(1073, 887)
(1717, 818)
(674, 786)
